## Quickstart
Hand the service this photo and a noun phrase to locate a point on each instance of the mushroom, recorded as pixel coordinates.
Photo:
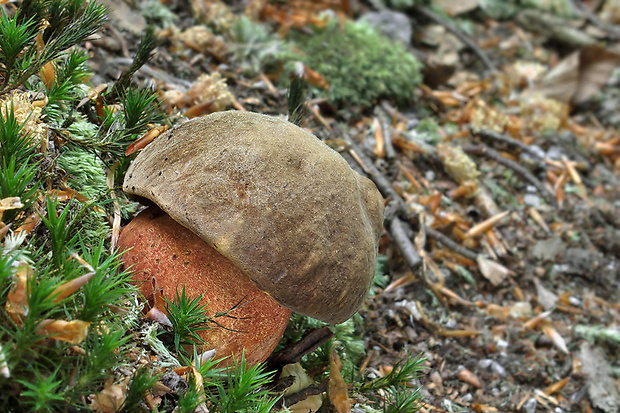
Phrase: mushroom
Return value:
(252, 210)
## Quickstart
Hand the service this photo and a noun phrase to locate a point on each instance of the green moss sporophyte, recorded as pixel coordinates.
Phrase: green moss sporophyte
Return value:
(248, 208)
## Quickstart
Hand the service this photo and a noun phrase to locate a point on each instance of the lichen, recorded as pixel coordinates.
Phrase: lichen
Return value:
(26, 112)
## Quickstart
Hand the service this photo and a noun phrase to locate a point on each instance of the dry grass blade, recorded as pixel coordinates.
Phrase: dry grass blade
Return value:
(486, 225)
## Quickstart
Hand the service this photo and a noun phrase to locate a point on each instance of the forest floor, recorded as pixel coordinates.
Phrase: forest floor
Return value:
(502, 181)
(501, 174)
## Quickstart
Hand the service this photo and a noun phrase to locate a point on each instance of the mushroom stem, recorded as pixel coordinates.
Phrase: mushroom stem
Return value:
(160, 248)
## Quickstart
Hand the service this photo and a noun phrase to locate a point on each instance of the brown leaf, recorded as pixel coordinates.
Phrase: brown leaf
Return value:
(555, 337)
(470, 378)
(493, 271)
(13, 202)
(17, 299)
(73, 332)
(72, 286)
(147, 138)
(557, 386)
(111, 398)
(580, 75)
(338, 392)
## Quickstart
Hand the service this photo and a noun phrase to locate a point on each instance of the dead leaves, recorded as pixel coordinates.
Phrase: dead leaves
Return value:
(17, 306)
(337, 387)
(579, 76)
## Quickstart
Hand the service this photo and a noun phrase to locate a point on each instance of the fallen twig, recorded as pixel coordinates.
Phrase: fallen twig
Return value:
(312, 339)
(612, 31)
(448, 242)
(383, 184)
(485, 133)
(400, 236)
(312, 390)
(509, 163)
(397, 228)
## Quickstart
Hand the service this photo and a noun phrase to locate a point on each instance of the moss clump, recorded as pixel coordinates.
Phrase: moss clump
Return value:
(360, 64)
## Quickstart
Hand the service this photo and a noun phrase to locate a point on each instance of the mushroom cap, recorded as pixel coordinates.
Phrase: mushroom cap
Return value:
(273, 199)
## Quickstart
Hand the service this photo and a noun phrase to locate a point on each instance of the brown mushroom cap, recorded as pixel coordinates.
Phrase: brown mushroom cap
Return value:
(273, 199)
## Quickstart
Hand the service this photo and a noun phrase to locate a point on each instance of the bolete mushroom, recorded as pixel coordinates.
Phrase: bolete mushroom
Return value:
(252, 209)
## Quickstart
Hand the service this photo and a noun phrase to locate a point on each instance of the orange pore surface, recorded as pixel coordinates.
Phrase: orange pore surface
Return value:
(158, 247)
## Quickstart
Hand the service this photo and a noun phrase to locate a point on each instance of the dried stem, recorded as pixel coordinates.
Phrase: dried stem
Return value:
(509, 163)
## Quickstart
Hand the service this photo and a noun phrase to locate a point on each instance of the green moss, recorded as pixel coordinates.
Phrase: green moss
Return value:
(85, 171)
(360, 64)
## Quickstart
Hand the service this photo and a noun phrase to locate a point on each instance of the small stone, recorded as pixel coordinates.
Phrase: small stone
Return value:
(530, 405)
(392, 24)
(498, 369)
(532, 200)
(548, 249)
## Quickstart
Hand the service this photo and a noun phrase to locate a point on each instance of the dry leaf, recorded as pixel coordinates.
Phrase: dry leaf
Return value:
(338, 392)
(493, 271)
(557, 386)
(314, 78)
(17, 299)
(111, 398)
(545, 297)
(73, 332)
(497, 311)
(72, 286)
(470, 378)
(301, 381)
(13, 202)
(147, 138)
(580, 75)
(555, 337)
(453, 8)
(186, 371)
(597, 369)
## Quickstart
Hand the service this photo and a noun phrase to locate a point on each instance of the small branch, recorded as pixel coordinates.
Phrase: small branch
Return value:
(390, 152)
(312, 339)
(313, 390)
(448, 242)
(509, 163)
(383, 184)
(485, 133)
(400, 236)
(397, 228)
(426, 12)
(613, 31)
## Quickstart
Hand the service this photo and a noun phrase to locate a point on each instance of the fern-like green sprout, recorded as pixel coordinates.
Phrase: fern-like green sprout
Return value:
(404, 371)
(70, 23)
(45, 394)
(141, 381)
(241, 388)
(188, 317)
